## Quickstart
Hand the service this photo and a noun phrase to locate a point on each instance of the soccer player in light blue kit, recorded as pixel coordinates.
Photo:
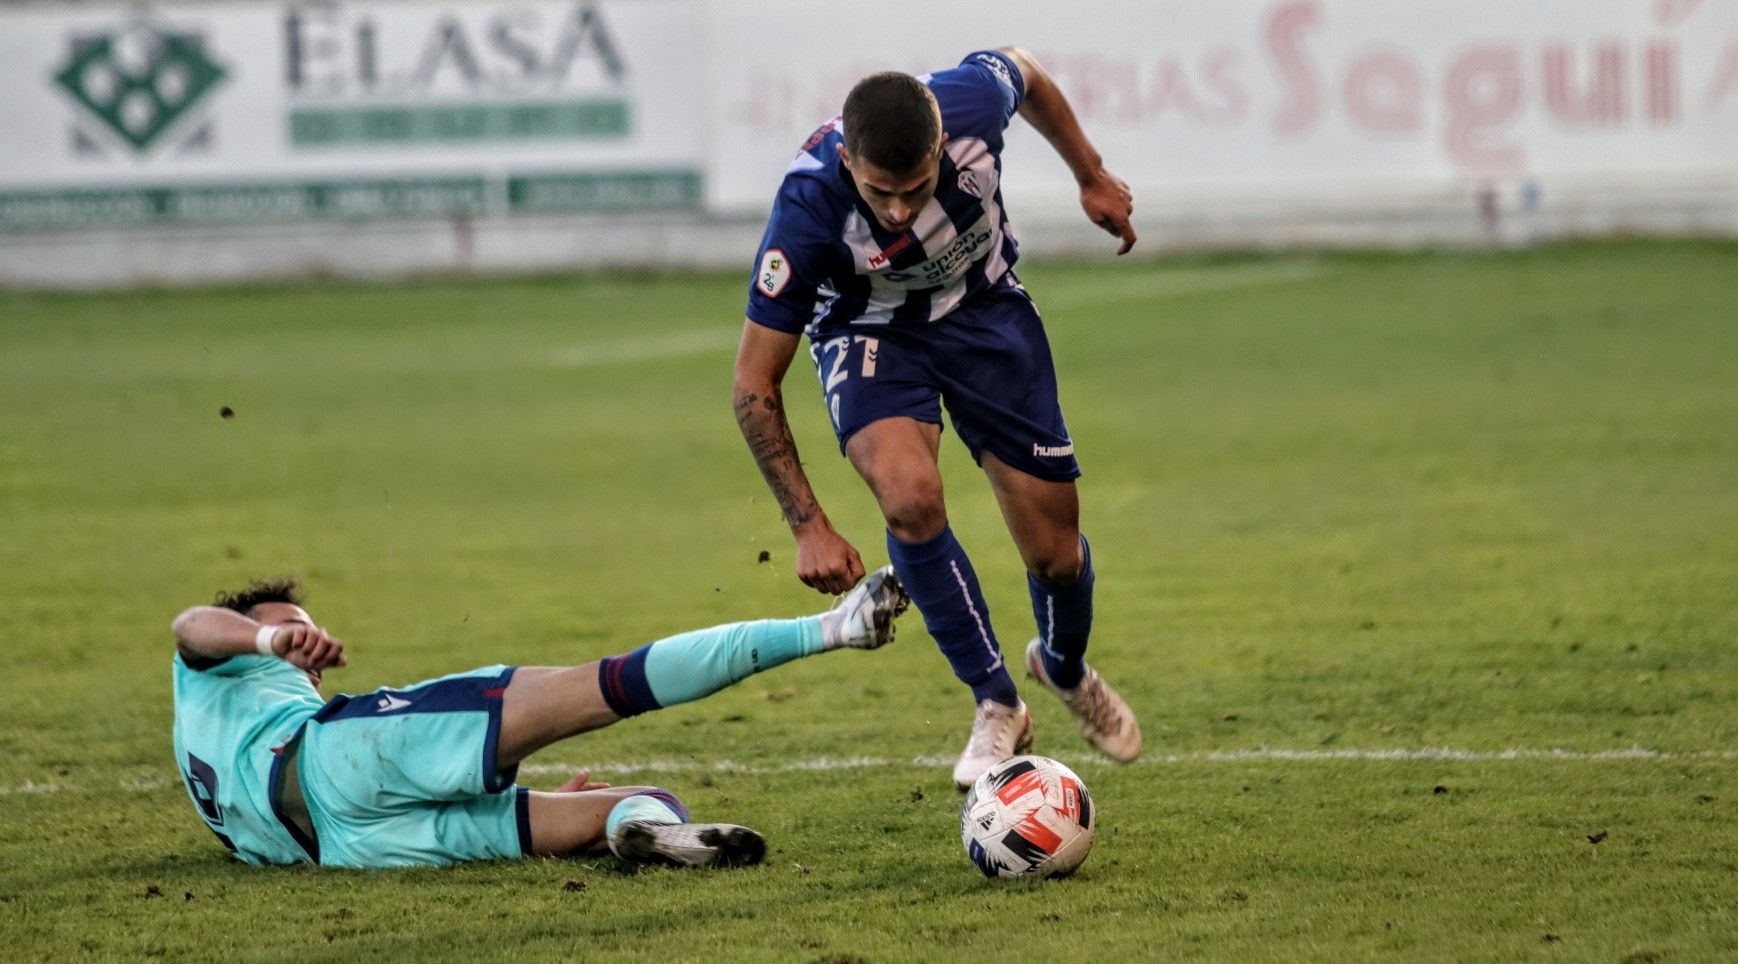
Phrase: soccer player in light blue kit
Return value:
(889, 246)
(424, 774)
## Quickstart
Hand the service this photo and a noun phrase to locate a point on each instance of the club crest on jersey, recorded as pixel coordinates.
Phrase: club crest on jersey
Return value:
(774, 273)
(969, 183)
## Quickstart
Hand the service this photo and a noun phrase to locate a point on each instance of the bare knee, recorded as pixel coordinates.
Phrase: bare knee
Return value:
(913, 508)
(1059, 563)
(897, 457)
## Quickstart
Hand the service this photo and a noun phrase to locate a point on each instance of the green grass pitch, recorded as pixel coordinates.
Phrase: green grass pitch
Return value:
(1364, 524)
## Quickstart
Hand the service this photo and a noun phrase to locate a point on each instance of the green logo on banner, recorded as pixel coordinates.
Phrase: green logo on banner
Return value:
(139, 80)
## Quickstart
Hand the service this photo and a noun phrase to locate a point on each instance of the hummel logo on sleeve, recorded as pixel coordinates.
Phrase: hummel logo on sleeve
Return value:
(389, 703)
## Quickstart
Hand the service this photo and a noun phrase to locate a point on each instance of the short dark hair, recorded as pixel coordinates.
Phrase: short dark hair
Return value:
(890, 121)
(282, 589)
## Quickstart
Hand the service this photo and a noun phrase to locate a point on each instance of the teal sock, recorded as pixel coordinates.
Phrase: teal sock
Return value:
(700, 663)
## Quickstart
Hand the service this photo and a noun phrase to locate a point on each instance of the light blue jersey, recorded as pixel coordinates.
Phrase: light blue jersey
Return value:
(231, 719)
(826, 263)
(393, 778)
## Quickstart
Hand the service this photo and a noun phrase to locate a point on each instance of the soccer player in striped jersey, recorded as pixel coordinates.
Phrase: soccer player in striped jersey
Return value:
(424, 774)
(890, 247)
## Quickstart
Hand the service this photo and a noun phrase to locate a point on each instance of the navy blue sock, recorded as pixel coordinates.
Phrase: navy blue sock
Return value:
(1064, 615)
(623, 681)
(940, 580)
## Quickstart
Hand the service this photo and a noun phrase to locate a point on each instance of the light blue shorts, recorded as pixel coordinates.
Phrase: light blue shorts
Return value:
(407, 777)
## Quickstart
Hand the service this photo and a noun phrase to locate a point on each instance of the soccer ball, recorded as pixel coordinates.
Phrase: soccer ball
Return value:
(1028, 816)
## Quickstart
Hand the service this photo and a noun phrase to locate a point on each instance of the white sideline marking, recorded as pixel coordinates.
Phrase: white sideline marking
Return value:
(827, 764)
(31, 787)
(1261, 754)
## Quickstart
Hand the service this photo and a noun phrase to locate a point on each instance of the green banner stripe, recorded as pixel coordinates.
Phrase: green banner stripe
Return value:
(246, 203)
(583, 192)
(601, 119)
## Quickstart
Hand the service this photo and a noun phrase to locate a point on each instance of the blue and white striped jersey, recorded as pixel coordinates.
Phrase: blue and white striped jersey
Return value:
(825, 261)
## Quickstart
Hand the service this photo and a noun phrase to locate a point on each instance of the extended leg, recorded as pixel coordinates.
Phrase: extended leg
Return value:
(544, 704)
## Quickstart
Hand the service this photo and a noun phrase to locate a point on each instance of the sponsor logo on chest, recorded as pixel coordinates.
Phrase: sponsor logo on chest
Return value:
(943, 267)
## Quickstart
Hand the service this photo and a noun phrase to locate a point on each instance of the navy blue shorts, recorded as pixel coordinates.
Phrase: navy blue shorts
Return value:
(988, 361)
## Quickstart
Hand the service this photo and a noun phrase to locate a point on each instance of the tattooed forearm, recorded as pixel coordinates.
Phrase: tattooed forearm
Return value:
(768, 433)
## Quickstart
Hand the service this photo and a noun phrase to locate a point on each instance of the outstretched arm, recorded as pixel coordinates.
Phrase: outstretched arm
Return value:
(1107, 200)
(825, 560)
(212, 632)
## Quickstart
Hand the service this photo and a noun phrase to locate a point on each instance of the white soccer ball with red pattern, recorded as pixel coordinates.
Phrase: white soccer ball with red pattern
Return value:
(1028, 816)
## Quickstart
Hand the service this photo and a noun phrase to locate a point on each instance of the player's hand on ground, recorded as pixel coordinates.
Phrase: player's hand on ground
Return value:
(581, 783)
(1109, 203)
(308, 647)
(826, 561)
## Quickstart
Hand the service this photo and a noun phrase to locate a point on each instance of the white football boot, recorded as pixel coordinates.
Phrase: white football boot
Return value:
(998, 732)
(1106, 721)
(863, 618)
(687, 844)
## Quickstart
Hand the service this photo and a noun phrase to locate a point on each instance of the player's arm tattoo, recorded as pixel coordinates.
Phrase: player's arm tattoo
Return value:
(768, 432)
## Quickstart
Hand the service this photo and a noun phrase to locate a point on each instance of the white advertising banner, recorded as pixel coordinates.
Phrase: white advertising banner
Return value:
(282, 110)
(347, 109)
(1316, 101)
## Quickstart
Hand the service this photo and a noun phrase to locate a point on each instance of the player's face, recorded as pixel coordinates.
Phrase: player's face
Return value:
(895, 197)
